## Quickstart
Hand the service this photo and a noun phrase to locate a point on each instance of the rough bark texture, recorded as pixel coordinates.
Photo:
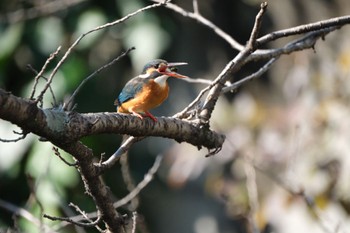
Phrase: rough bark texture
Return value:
(65, 127)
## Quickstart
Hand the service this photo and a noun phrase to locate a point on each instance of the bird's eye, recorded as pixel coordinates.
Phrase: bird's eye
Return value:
(156, 66)
(161, 67)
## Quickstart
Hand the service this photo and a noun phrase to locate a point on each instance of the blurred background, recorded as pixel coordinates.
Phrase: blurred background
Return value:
(284, 166)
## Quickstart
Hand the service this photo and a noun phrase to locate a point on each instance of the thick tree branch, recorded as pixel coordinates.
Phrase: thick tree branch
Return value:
(65, 127)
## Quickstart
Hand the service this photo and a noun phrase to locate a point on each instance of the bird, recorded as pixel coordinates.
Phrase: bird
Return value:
(147, 90)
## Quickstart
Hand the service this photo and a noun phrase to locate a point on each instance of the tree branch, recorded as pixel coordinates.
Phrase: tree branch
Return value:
(233, 66)
(65, 127)
(200, 19)
(311, 27)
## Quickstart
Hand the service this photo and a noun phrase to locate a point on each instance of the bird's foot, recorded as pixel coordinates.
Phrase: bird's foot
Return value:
(148, 114)
(151, 116)
(137, 114)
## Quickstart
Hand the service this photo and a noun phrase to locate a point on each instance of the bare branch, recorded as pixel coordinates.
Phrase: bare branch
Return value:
(93, 223)
(45, 8)
(58, 154)
(134, 221)
(128, 180)
(185, 112)
(334, 22)
(40, 74)
(66, 127)
(195, 7)
(257, 26)
(33, 89)
(257, 74)
(81, 224)
(121, 150)
(306, 42)
(32, 188)
(200, 19)
(148, 178)
(24, 213)
(24, 135)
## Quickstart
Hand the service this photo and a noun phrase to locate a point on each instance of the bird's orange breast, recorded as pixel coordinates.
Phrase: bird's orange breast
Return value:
(150, 96)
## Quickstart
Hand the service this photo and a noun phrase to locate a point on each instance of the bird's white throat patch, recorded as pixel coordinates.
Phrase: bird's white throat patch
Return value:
(161, 80)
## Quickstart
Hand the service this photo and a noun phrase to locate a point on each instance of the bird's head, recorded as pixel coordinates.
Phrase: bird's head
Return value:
(161, 67)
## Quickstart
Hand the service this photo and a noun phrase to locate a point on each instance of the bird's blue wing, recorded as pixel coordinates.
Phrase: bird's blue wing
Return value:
(130, 90)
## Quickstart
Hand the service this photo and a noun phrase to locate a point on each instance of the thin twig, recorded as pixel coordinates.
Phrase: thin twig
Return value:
(257, 26)
(260, 53)
(50, 88)
(121, 150)
(66, 104)
(23, 213)
(81, 224)
(257, 74)
(58, 154)
(24, 135)
(42, 9)
(200, 19)
(128, 180)
(334, 22)
(33, 193)
(134, 222)
(195, 7)
(308, 41)
(40, 74)
(184, 112)
(148, 178)
(83, 216)
(93, 223)
(197, 80)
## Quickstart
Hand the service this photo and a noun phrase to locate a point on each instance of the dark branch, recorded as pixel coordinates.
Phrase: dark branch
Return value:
(81, 224)
(24, 135)
(66, 127)
(335, 22)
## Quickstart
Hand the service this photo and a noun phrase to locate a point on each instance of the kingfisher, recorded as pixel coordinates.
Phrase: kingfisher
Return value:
(147, 90)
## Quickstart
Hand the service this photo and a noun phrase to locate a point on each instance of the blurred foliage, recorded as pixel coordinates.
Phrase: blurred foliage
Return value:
(292, 124)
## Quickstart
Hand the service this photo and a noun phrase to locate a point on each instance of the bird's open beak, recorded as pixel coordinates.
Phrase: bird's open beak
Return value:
(171, 70)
